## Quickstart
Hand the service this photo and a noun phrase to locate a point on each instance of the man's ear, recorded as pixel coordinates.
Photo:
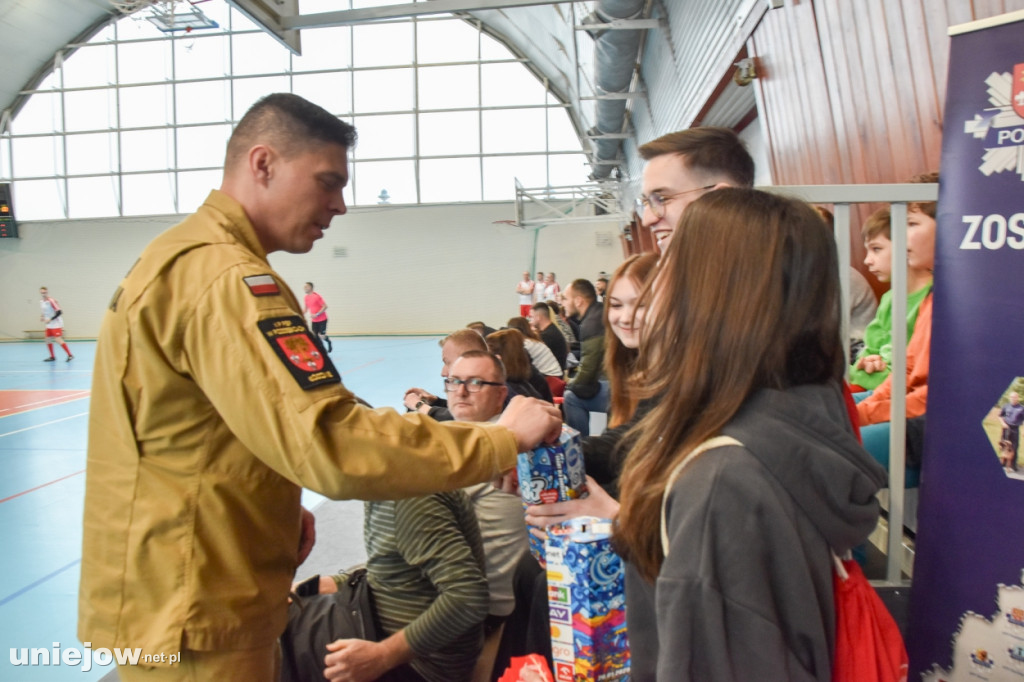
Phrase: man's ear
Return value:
(261, 163)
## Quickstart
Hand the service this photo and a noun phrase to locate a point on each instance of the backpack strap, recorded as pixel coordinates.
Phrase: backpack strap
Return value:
(709, 444)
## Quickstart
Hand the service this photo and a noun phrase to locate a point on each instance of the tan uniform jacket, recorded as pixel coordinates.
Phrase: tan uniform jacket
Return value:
(200, 436)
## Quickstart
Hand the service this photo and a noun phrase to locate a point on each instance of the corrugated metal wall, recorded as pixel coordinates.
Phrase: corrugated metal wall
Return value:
(683, 65)
(853, 92)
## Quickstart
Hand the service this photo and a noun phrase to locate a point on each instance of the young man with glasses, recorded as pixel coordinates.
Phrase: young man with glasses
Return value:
(682, 166)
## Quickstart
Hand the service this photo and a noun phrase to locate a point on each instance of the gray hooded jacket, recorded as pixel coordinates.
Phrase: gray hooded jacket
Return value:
(746, 591)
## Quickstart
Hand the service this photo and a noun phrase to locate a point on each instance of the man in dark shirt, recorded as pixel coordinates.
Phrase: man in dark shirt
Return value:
(540, 318)
(588, 391)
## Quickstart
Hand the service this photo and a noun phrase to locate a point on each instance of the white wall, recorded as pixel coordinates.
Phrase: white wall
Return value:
(753, 136)
(423, 269)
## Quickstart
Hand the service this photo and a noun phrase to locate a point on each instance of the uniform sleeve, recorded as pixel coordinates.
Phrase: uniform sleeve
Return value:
(428, 536)
(319, 437)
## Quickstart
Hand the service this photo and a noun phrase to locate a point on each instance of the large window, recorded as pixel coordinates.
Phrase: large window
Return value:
(135, 121)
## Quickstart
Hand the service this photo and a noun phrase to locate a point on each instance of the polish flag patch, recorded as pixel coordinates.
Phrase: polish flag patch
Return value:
(262, 285)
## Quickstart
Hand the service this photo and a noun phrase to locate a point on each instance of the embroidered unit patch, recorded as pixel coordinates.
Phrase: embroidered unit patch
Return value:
(300, 353)
(262, 285)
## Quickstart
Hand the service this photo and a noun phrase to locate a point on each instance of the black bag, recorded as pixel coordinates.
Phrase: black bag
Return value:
(317, 620)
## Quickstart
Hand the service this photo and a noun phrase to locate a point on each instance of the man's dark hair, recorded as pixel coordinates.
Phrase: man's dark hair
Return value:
(292, 123)
(541, 305)
(584, 288)
(311, 285)
(709, 151)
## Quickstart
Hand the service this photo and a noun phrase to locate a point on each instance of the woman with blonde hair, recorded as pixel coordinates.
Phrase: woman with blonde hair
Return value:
(603, 454)
(729, 573)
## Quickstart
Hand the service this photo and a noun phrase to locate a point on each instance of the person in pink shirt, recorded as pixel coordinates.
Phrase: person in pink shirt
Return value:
(315, 307)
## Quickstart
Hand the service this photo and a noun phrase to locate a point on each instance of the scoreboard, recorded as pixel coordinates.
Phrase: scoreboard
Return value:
(8, 226)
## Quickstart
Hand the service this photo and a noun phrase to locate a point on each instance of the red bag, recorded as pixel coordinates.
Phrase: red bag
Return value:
(869, 646)
(530, 668)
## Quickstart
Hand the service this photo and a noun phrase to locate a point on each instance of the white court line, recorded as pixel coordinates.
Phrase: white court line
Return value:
(55, 421)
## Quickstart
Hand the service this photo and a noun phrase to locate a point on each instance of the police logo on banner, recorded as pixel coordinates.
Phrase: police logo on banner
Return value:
(1000, 126)
(299, 351)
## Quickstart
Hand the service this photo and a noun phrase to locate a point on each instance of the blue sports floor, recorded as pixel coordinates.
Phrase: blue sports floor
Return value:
(43, 428)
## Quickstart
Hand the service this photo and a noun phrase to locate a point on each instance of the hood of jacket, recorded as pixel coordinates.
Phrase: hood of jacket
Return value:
(813, 453)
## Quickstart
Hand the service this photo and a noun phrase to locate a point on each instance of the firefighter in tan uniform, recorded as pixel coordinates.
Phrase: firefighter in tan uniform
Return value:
(212, 405)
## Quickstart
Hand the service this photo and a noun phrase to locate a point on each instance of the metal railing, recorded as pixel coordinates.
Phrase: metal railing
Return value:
(898, 196)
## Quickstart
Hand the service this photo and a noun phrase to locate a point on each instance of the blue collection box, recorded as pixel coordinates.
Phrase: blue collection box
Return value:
(586, 602)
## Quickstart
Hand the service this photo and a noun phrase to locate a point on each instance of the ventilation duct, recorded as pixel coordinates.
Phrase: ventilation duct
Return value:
(615, 52)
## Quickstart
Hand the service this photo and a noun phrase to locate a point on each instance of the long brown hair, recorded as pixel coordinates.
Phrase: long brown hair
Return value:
(508, 343)
(746, 297)
(619, 361)
(523, 325)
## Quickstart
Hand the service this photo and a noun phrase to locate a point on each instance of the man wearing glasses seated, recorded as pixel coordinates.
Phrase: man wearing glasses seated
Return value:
(476, 393)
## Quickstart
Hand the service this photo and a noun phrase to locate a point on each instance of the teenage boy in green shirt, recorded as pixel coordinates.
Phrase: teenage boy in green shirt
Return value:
(873, 362)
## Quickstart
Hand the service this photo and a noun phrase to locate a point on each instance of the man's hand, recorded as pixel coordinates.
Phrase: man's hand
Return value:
(508, 482)
(308, 536)
(355, 660)
(531, 421)
(414, 395)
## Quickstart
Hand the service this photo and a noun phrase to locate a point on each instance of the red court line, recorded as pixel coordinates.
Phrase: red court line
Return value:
(56, 480)
(14, 401)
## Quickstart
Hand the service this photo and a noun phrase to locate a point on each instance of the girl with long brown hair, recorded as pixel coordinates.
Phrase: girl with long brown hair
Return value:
(603, 454)
(523, 377)
(729, 573)
(623, 318)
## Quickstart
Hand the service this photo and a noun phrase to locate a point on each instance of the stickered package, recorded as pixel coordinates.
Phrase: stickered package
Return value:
(551, 473)
(586, 603)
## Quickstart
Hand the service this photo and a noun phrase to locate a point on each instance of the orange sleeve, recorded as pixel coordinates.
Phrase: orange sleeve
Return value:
(875, 408)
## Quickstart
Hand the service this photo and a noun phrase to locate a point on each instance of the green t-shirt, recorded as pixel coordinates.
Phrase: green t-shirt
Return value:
(878, 336)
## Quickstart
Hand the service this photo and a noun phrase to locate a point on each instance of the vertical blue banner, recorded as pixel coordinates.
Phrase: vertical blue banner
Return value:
(967, 603)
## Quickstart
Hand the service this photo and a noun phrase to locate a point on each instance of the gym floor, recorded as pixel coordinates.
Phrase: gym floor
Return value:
(43, 432)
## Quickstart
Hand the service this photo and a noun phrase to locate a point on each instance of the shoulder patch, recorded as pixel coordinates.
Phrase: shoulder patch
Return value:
(301, 354)
(262, 285)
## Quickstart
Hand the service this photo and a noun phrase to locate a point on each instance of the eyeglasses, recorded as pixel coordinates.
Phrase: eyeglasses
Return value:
(451, 384)
(657, 201)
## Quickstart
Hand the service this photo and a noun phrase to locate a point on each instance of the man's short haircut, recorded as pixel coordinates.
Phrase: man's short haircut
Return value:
(585, 289)
(878, 223)
(499, 366)
(926, 207)
(291, 124)
(709, 151)
(603, 279)
(541, 305)
(552, 274)
(465, 338)
(310, 285)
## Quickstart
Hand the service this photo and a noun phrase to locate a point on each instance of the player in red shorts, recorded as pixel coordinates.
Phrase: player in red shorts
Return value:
(54, 325)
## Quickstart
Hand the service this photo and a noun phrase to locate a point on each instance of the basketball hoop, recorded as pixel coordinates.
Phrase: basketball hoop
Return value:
(162, 14)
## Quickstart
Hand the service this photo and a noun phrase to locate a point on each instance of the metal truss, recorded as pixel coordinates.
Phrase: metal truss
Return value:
(590, 203)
